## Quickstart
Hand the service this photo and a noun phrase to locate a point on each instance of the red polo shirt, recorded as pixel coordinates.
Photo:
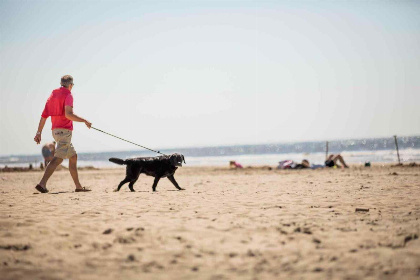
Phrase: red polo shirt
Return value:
(54, 108)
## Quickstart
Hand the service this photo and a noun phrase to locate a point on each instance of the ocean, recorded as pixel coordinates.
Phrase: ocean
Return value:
(354, 151)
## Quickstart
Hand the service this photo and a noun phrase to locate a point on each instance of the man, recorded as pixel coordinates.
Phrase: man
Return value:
(48, 152)
(59, 107)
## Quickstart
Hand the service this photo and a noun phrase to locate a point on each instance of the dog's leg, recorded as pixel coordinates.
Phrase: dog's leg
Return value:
(133, 172)
(132, 184)
(172, 179)
(136, 171)
(126, 180)
(155, 183)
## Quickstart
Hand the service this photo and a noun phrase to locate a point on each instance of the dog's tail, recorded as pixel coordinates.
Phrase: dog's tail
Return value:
(117, 161)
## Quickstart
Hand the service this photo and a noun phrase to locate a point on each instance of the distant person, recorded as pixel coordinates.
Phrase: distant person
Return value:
(332, 161)
(234, 164)
(290, 164)
(305, 164)
(48, 152)
(59, 107)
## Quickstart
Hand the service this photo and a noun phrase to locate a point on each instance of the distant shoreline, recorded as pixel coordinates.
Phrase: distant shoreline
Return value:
(335, 146)
(407, 155)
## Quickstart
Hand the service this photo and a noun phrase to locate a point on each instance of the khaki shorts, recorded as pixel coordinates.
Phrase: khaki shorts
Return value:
(64, 148)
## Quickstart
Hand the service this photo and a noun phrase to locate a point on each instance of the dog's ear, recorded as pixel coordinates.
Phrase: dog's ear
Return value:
(183, 159)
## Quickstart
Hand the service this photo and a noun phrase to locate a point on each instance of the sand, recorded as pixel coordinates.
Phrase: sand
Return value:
(227, 224)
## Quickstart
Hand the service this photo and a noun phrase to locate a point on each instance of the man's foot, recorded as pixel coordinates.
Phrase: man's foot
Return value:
(41, 189)
(82, 190)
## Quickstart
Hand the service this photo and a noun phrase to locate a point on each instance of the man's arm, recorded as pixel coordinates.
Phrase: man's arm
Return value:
(37, 137)
(73, 117)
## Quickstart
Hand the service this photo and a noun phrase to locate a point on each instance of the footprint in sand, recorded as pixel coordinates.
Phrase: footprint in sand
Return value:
(15, 247)
(131, 258)
(124, 240)
(108, 231)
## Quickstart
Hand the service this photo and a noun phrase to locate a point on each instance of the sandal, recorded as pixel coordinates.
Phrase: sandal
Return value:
(41, 189)
(82, 190)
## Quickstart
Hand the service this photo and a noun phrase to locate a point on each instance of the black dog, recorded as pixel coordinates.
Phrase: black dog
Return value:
(158, 167)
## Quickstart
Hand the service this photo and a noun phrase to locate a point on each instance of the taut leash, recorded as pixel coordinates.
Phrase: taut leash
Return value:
(127, 141)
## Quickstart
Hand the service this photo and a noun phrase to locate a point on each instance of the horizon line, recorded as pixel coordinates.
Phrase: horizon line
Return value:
(226, 145)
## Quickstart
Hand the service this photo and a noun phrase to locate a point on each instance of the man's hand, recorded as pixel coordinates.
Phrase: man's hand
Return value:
(37, 137)
(88, 124)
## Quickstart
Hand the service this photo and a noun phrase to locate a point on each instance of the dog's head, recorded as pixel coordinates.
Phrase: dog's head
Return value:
(177, 159)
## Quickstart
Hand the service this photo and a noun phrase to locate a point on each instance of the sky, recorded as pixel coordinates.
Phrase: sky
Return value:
(168, 74)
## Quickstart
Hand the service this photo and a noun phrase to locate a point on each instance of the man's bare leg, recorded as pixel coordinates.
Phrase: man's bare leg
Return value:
(341, 160)
(73, 171)
(48, 160)
(50, 168)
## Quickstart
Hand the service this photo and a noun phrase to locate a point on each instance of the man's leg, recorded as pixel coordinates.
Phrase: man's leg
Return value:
(48, 160)
(73, 171)
(50, 170)
(340, 158)
(334, 158)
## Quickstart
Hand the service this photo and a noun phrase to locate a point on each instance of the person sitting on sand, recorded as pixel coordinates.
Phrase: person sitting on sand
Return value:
(48, 152)
(332, 161)
(59, 107)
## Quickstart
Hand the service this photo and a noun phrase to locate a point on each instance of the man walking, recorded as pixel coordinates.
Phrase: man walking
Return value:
(59, 107)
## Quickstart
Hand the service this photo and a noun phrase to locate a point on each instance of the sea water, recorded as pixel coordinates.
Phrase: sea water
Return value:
(354, 151)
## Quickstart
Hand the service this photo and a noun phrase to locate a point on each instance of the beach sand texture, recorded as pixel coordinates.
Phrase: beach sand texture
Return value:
(228, 224)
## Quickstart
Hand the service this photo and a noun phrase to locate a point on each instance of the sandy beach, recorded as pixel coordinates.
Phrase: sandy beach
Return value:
(252, 223)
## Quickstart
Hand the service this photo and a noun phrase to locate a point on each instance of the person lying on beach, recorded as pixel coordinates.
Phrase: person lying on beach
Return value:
(290, 164)
(234, 164)
(48, 152)
(332, 161)
(59, 107)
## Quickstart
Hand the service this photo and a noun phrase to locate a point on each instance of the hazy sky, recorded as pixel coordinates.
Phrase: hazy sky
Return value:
(171, 74)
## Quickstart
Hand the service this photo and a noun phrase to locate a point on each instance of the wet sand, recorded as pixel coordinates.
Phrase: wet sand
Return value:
(228, 224)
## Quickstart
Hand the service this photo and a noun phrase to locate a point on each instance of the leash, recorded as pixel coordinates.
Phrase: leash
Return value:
(127, 141)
